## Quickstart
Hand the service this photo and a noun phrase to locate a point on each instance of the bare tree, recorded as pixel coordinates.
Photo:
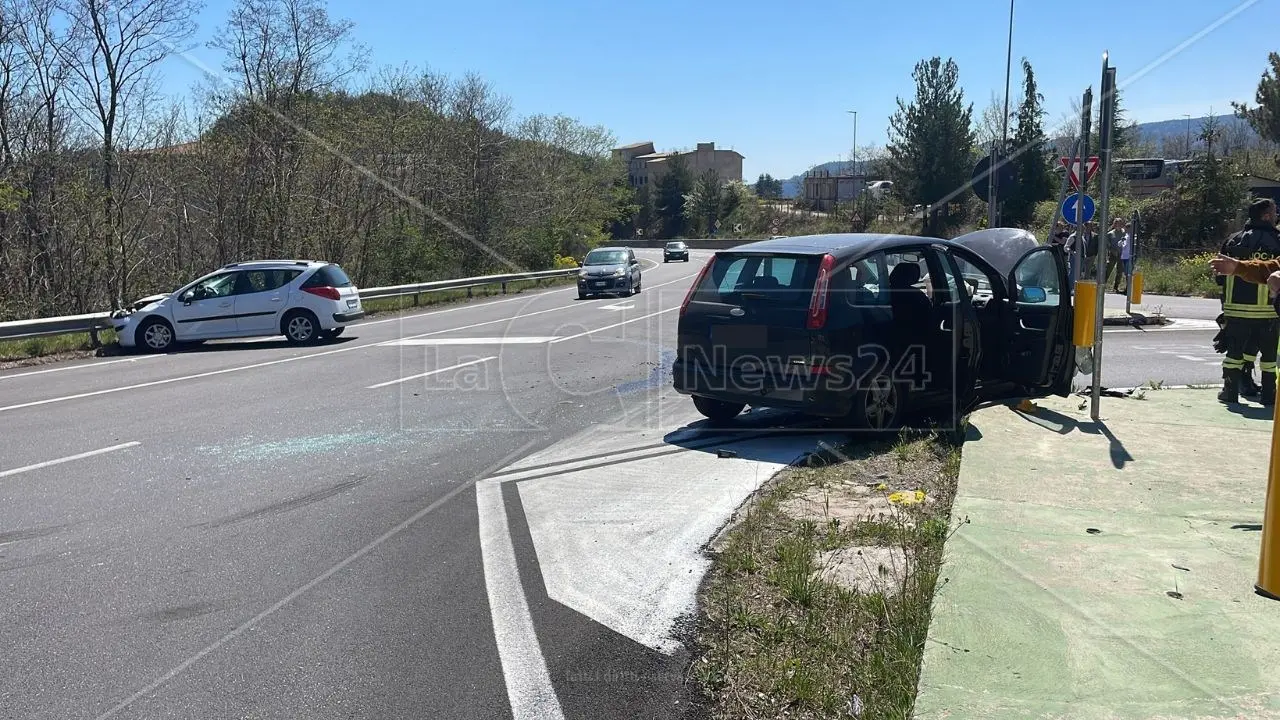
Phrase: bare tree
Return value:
(116, 46)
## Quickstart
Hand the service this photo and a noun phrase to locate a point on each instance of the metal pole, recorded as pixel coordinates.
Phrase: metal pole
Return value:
(1004, 132)
(1062, 191)
(854, 164)
(991, 187)
(1105, 115)
(1079, 250)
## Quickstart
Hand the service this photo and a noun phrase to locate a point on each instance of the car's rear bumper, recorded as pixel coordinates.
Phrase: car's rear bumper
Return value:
(348, 316)
(809, 394)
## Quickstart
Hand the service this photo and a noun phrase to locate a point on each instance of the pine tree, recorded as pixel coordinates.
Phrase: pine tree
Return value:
(1035, 181)
(931, 139)
(1265, 118)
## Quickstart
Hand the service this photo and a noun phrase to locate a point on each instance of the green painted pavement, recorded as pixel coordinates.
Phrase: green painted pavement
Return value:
(1039, 618)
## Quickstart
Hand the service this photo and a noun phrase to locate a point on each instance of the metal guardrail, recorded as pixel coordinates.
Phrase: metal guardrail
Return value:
(93, 323)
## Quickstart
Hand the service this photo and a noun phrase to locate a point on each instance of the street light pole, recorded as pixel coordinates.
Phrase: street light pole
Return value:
(1004, 130)
(855, 154)
(1188, 151)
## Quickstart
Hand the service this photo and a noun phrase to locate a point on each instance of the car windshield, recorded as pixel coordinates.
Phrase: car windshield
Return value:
(675, 246)
(606, 257)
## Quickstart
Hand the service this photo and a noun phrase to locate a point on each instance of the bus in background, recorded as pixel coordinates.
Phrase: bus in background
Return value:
(1149, 176)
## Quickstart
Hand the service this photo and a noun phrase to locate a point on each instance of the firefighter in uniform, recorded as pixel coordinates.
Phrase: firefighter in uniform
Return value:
(1250, 321)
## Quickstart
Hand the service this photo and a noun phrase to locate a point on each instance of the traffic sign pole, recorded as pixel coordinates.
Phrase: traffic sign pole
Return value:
(1106, 114)
(1062, 191)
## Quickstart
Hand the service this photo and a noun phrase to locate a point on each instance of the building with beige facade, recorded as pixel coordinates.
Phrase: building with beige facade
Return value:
(645, 166)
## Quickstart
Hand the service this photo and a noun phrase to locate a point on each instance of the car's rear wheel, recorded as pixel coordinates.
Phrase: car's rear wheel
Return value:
(300, 327)
(717, 410)
(155, 334)
(879, 405)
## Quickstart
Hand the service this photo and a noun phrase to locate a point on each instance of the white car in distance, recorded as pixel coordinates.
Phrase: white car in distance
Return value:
(304, 300)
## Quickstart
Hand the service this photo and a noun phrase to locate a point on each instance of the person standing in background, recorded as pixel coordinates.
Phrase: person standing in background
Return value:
(1115, 237)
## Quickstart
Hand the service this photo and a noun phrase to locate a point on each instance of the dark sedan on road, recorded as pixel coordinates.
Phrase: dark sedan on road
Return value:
(675, 251)
(870, 328)
(609, 271)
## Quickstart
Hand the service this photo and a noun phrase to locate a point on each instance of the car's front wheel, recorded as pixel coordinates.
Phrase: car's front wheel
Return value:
(155, 334)
(717, 410)
(300, 327)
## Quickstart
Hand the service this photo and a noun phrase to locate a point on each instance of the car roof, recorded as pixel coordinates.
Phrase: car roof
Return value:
(840, 245)
(610, 247)
(268, 264)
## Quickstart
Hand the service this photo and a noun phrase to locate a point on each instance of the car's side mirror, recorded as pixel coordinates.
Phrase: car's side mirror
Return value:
(1033, 295)
(187, 296)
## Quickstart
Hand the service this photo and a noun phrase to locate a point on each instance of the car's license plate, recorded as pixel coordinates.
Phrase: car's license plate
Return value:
(739, 336)
(599, 284)
(352, 303)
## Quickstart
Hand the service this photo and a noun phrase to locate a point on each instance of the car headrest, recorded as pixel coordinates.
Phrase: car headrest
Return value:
(904, 276)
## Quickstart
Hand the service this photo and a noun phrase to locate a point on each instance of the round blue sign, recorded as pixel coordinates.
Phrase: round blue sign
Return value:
(1069, 209)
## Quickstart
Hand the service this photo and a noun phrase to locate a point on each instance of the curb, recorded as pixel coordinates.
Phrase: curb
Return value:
(1134, 320)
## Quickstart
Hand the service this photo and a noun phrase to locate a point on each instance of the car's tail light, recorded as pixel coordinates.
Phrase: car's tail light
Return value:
(821, 295)
(324, 291)
(694, 287)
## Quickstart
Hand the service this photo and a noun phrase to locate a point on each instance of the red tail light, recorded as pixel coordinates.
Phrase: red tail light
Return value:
(694, 287)
(821, 295)
(324, 291)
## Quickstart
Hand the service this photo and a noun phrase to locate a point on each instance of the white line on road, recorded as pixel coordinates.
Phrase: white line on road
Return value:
(617, 307)
(610, 327)
(69, 458)
(432, 372)
(286, 600)
(79, 367)
(529, 688)
(514, 340)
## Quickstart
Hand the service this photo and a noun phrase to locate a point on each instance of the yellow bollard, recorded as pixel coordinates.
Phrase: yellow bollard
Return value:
(1135, 288)
(1086, 302)
(1268, 584)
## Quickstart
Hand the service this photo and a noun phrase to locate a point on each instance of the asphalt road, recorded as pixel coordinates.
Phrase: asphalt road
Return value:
(255, 530)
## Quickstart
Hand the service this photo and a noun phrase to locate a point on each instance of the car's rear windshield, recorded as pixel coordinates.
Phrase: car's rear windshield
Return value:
(778, 280)
(329, 276)
(605, 257)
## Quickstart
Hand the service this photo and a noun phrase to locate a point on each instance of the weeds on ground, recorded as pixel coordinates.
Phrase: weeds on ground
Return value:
(13, 350)
(779, 636)
(1190, 276)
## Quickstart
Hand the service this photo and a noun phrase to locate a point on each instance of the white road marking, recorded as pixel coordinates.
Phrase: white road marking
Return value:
(79, 367)
(1189, 358)
(286, 600)
(432, 372)
(610, 327)
(617, 307)
(69, 458)
(524, 669)
(268, 363)
(514, 340)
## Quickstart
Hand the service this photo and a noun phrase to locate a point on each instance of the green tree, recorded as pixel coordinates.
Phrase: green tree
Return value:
(1035, 181)
(1208, 194)
(931, 139)
(1265, 118)
(673, 186)
(769, 187)
(705, 203)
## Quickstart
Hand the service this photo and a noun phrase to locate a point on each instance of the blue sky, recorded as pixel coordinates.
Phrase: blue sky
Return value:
(774, 80)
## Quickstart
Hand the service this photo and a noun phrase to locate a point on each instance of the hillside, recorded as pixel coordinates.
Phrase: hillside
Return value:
(1155, 134)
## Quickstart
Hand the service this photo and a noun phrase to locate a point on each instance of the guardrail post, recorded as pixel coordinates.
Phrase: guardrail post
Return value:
(415, 299)
(504, 288)
(469, 293)
(93, 337)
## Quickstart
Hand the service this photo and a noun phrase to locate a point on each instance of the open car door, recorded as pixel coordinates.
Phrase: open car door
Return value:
(1041, 353)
